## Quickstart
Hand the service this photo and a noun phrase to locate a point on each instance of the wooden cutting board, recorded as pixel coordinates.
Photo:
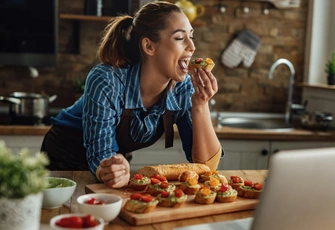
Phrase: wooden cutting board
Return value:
(189, 209)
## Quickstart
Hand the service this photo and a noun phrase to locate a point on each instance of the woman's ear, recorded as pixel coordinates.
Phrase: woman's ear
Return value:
(148, 46)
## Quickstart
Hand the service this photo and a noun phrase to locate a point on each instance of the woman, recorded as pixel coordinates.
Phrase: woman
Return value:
(135, 95)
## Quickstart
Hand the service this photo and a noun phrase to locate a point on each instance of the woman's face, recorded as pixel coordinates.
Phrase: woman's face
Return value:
(175, 48)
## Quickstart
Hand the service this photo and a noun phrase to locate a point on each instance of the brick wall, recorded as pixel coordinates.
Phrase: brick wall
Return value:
(282, 32)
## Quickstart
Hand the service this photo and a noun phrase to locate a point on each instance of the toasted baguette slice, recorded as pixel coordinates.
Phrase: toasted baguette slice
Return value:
(188, 189)
(140, 207)
(248, 192)
(171, 201)
(188, 175)
(225, 199)
(172, 171)
(207, 64)
(205, 196)
(224, 196)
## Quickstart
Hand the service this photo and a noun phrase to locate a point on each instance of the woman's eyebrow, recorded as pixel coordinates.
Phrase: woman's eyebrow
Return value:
(181, 30)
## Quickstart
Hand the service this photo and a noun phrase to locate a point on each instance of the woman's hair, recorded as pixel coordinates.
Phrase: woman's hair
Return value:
(121, 41)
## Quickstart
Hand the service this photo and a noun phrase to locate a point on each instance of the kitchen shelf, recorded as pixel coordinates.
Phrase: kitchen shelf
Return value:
(81, 17)
(76, 19)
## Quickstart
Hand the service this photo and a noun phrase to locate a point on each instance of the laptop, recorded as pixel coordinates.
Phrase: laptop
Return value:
(299, 194)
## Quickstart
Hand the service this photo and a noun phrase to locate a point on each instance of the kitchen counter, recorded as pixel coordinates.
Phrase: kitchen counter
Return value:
(225, 133)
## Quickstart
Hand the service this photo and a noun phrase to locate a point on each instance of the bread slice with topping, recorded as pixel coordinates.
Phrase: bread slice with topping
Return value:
(171, 199)
(226, 194)
(205, 196)
(140, 203)
(190, 186)
(252, 191)
(139, 182)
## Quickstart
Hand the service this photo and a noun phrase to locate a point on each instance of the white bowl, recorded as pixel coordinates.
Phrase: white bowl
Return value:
(53, 221)
(108, 211)
(59, 191)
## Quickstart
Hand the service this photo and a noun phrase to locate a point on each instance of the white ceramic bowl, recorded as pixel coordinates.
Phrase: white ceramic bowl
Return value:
(99, 220)
(108, 211)
(59, 191)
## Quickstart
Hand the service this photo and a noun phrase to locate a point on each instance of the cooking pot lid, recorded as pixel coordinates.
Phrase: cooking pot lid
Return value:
(27, 95)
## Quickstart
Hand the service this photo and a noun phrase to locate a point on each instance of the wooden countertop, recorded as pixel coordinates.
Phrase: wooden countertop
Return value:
(225, 133)
(84, 178)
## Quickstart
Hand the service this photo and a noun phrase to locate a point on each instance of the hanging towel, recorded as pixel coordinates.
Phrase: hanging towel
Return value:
(242, 49)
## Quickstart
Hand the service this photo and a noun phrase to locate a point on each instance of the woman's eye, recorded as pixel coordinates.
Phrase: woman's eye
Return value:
(193, 38)
(179, 38)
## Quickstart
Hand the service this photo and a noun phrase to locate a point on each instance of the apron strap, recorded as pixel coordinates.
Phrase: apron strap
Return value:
(168, 128)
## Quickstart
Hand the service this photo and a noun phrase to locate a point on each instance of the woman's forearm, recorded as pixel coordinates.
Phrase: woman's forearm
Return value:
(205, 141)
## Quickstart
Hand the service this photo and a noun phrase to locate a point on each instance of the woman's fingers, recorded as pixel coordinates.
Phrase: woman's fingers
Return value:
(204, 82)
(115, 171)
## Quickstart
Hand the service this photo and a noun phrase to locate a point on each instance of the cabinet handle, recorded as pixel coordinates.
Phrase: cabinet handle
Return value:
(264, 152)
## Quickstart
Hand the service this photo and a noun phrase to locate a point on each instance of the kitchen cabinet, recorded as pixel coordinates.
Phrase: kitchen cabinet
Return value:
(244, 155)
(286, 145)
(17, 142)
(158, 154)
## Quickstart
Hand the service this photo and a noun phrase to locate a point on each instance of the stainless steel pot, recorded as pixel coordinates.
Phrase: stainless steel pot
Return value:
(28, 105)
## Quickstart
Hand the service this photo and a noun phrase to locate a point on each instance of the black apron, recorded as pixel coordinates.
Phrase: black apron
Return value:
(65, 149)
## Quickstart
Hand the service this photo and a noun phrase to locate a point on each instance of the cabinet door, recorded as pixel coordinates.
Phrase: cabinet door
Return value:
(287, 145)
(158, 154)
(244, 155)
(17, 142)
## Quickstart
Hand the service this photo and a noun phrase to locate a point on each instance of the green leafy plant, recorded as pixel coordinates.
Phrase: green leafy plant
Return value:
(79, 85)
(330, 66)
(22, 174)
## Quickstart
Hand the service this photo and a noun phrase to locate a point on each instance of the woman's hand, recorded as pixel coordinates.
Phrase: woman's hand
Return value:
(205, 86)
(115, 171)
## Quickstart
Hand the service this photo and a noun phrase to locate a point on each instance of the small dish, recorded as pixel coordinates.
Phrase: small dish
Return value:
(108, 211)
(58, 192)
(99, 221)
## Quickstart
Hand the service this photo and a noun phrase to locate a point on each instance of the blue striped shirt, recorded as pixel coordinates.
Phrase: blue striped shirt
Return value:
(108, 90)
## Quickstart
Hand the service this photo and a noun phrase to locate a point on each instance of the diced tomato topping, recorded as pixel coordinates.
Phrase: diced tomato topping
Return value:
(214, 182)
(165, 194)
(138, 176)
(77, 222)
(164, 184)
(89, 221)
(224, 188)
(205, 191)
(258, 186)
(135, 196)
(90, 201)
(154, 180)
(236, 179)
(192, 181)
(94, 201)
(159, 177)
(208, 173)
(146, 198)
(178, 193)
(198, 60)
(247, 183)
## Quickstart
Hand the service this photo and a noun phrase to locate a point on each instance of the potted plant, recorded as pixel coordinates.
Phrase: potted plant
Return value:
(22, 179)
(330, 70)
